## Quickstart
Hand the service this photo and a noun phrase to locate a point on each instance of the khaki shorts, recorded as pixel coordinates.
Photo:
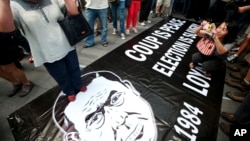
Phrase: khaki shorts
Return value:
(165, 3)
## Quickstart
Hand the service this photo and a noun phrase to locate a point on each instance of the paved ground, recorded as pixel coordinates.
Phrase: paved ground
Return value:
(44, 82)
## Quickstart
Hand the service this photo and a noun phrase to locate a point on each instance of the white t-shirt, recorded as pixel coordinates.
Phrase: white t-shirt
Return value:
(47, 40)
(97, 4)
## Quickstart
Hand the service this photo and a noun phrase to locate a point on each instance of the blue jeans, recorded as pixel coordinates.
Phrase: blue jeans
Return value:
(66, 73)
(208, 63)
(153, 6)
(91, 15)
(114, 11)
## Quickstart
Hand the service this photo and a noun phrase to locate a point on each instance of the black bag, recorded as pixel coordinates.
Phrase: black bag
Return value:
(75, 27)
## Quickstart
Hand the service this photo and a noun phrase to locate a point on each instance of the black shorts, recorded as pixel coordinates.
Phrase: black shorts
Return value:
(9, 49)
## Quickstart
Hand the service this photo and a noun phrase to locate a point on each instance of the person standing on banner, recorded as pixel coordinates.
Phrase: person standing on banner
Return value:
(115, 9)
(215, 40)
(145, 11)
(97, 9)
(48, 43)
(9, 40)
(132, 17)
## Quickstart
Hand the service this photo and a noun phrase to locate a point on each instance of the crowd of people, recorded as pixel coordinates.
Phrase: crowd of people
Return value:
(49, 46)
(54, 52)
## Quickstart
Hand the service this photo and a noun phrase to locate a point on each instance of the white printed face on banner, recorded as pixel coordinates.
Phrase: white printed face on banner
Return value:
(111, 111)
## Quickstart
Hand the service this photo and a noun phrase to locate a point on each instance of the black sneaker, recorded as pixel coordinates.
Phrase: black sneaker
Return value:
(237, 96)
(15, 89)
(233, 67)
(241, 85)
(26, 89)
(237, 75)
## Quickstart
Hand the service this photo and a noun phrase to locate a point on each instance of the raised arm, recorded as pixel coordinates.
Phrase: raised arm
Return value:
(243, 9)
(201, 30)
(71, 6)
(6, 17)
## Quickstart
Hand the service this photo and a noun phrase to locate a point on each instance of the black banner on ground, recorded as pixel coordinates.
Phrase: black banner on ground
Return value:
(154, 95)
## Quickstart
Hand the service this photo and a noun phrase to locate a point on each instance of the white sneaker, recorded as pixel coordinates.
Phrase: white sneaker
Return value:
(123, 36)
(232, 58)
(148, 21)
(114, 31)
(142, 23)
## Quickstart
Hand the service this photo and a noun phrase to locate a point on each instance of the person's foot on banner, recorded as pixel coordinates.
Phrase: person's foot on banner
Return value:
(83, 89)
(31, 60)
(71, 98)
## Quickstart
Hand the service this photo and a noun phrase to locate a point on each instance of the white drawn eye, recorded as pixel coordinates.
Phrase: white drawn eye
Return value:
(117, 99)
(96, 121)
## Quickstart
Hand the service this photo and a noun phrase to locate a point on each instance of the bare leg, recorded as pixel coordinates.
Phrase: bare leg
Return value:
(157, 9)
(163, 8)
(9, 77)
(16, 73)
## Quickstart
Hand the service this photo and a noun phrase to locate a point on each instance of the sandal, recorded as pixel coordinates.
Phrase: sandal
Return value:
(135, 30)
(191, 65)
(105, 44)
(26, 89)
